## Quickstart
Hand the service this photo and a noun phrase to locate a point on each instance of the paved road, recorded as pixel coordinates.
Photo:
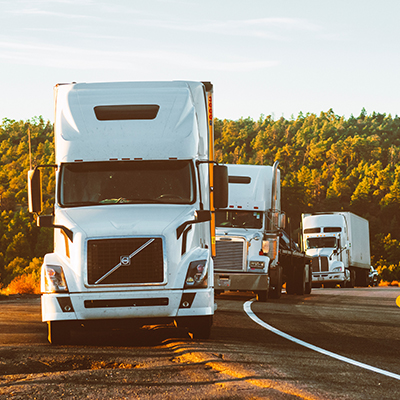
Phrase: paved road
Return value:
(243, 359)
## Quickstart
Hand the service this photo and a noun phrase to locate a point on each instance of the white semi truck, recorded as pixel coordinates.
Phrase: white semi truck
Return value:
(338, 243)
(253, 251)
(136, 188)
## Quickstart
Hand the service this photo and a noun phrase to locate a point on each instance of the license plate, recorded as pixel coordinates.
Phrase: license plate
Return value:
(224, 282)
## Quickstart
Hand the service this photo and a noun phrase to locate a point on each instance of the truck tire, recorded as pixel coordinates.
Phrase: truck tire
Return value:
(262, 295)
(275, 292)
(200, 327)
(362, 278)
(308, 286)
(290, 286)
(58, 332)
(352, 281)
(300, 280)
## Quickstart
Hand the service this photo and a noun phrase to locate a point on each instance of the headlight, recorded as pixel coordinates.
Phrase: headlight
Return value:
(197, 274)
(337, 269)
(54, 279)
(257, 265)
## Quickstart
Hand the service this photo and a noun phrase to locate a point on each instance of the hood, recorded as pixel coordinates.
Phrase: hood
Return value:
(124, 219)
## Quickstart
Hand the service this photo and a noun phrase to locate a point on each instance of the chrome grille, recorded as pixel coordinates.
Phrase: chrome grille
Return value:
(230, 255)
(104, 255)
(324, 263)
(315, 264)
(320, 264)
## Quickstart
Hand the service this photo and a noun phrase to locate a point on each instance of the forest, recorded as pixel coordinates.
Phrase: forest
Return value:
(327, 163)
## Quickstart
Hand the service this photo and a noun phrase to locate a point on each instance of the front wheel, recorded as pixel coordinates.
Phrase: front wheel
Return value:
(58, 332)
(275, 292)
(308, 286)
(290, 286)
(275, 285)
(199, 327)
(300, 280)
(262, 295)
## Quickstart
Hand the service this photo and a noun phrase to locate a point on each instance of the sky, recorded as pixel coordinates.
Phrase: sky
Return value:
(264, 57)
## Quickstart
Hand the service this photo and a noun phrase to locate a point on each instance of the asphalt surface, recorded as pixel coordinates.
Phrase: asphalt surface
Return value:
(241, 360)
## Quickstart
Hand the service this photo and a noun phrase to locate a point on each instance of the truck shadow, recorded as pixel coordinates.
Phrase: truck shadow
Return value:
(150, 335)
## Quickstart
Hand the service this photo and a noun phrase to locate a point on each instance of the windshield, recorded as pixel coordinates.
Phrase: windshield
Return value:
(121, 182)
(319, 242)
(239, 219)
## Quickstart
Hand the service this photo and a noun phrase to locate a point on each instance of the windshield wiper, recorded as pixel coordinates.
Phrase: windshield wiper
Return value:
(123, 200)
(82, 203)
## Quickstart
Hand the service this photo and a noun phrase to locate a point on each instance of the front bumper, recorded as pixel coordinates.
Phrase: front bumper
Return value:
(241, 281)
(326, 277)
(152, 305)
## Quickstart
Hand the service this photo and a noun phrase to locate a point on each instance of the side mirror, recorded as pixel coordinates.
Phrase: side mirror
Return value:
(34, 191)
(220, 187)
(203, 215)
(45, 221)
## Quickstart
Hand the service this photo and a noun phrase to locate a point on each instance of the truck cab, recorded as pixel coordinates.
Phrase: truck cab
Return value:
(338, 243)
(325, 240)
(253, 251)
(136, 187)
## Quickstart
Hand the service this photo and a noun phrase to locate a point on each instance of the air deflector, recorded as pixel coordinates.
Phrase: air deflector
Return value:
(126, 112)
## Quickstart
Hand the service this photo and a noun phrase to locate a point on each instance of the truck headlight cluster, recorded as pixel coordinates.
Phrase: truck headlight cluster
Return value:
(54, 279)
(257, 265)
(337, 269)
(197, 275)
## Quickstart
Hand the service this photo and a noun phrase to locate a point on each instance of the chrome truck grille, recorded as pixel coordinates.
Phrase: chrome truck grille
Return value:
(320, 264)
(230, 254)
(125, 261)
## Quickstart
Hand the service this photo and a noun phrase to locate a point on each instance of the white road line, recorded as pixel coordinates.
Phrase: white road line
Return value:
(250, 313)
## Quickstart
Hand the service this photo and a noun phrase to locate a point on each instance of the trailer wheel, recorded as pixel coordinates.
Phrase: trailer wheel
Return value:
(58, 332)
(362, 278)
(262, 295)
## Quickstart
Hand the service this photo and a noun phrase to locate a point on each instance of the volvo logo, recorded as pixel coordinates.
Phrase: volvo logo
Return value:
(125, 261)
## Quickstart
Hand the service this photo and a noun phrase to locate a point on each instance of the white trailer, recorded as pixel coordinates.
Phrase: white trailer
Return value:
(253, 251)
(135, 194)
(338, 242)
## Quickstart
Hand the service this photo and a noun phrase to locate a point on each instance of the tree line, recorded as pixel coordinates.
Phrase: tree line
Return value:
(327, 163)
